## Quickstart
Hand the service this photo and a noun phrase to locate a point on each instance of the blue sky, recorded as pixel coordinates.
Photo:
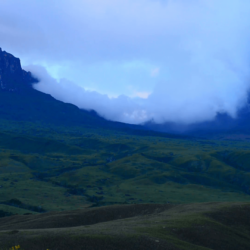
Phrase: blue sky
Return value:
(135, 60)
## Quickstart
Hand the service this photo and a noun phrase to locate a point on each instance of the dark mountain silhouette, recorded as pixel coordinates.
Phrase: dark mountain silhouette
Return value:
(20, 102)
(12, 77)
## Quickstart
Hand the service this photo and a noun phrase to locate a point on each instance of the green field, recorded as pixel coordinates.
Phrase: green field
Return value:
(59, 168)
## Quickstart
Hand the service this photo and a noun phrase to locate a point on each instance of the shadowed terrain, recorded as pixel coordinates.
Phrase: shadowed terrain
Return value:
(147, 226)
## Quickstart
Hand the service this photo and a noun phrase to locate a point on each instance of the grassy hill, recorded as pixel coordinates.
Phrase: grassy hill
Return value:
(196, 226)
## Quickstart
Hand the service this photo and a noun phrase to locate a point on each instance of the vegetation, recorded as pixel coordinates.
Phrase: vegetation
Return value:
(59, 168)
(196, 226)
(55, 171)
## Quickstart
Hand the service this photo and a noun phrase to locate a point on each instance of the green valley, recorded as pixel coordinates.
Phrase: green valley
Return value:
(66, 170)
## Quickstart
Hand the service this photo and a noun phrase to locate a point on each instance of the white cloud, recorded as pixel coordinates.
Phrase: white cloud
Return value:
(200, 48)
(121, 108)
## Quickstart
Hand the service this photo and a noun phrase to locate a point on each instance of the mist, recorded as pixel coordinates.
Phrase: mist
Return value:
(195, 53)
(122, 108)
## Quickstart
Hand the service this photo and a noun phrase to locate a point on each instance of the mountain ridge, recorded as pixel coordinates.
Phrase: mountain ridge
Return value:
(12, 77)
(17, 93)
(20, 101)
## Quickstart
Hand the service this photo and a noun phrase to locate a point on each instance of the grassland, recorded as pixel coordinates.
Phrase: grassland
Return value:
(91, 188)
(57, 168)
(196, 226)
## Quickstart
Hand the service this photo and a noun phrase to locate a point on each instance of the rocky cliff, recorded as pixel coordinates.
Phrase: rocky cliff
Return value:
(12, 77)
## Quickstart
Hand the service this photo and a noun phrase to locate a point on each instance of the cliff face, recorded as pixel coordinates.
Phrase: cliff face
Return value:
(12, 77)
(20, 102)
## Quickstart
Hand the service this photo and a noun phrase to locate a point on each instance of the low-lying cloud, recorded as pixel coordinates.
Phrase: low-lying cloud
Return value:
(198, 50)
(122, 108)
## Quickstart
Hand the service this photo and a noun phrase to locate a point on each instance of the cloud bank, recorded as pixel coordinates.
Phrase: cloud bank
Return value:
(190, 58)
(122, 108)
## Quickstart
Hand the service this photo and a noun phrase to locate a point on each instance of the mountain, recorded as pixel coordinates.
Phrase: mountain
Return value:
(222, 126)
(12, 77)
(20, 102)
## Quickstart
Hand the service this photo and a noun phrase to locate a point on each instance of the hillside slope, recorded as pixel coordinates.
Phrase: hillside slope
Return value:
(19, 102)
(207, 226)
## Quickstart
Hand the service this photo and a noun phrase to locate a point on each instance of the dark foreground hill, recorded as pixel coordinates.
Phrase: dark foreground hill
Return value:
(199, 226)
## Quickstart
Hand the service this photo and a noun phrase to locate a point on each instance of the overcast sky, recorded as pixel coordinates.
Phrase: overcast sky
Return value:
(135, 60)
